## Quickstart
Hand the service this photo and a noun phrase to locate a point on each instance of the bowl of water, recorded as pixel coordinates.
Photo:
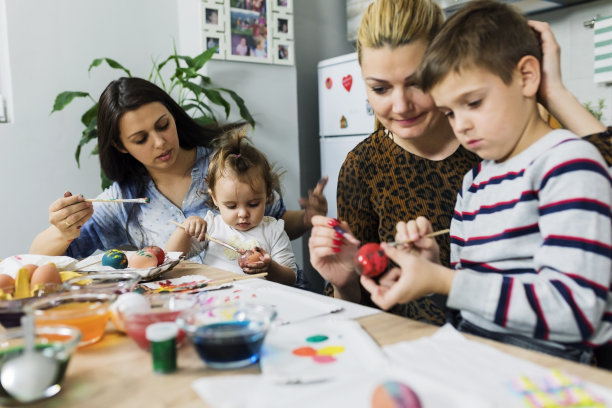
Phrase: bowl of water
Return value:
(55, 343)
(87, 311)
(162, 308)
(229, 335)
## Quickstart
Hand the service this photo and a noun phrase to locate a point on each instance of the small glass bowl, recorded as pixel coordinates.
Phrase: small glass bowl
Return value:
(165, 307)
(87, 311)
(11, 309)
(107, 282)
(230, 335)
(56, 342)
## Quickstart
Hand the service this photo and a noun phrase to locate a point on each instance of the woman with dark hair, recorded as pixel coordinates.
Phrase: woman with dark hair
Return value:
(150, 147)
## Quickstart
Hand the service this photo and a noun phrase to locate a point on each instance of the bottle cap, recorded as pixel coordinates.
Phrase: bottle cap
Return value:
(161, 331)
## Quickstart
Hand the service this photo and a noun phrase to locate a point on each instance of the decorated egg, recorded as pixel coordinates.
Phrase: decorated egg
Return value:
(115, 259)
(47, 273)
(142, 259)
(394, 394)
(250, 256)
(7, 283)
(128, 303)
(370, 260)
(157, 251)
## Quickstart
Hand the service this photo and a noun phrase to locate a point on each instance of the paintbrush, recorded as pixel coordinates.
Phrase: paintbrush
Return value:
(144, 200)
(431, 234)
(208, 237)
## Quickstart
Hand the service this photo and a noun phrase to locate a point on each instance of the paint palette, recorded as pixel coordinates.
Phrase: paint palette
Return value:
(318, 350)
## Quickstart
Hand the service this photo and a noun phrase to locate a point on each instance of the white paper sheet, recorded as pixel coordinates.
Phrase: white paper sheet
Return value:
(444, 370)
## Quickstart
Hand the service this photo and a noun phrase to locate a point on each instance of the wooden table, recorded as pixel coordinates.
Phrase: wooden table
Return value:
(116, 373)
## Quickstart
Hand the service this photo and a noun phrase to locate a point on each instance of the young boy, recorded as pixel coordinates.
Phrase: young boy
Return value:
(531, 235)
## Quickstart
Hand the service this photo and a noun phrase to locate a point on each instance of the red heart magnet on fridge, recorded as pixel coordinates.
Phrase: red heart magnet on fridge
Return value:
(347, 82)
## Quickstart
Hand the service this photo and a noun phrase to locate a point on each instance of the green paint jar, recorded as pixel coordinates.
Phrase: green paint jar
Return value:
(162, 337)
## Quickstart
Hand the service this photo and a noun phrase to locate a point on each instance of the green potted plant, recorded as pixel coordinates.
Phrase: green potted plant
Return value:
(194, 93)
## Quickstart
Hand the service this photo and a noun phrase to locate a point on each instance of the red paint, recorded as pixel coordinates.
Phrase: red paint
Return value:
(347, 82)
(371, 260)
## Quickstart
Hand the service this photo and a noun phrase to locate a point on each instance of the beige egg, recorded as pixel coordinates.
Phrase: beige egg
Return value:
(31, 268)
(142, 259)
(7, 283)
(47, 273)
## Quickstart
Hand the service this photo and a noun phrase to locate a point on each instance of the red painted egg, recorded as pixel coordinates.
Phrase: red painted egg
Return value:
(157, 251)
(370, 260)
(250, 256)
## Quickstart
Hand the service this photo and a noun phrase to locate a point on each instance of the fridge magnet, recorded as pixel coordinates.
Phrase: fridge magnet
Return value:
(283, 26)
(212, 40)
(212, 17)
(283, 52)
(343, 122)
(282, 6)
(328, 83)
(248, 37)
(347, 82)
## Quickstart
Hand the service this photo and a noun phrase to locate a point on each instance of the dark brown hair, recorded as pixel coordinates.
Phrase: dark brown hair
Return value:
(235, 156)
(483, 33)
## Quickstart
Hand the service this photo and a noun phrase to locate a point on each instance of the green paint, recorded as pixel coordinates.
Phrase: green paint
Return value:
(317, 338)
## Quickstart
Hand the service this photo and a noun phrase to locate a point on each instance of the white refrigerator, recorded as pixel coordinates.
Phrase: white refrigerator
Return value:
(345, 117)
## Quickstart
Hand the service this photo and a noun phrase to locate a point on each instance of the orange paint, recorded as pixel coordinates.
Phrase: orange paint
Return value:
(305, 352)
(89, 317)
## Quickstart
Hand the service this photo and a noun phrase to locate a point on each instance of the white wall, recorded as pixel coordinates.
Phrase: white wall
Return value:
(577, 50)
(52, 43)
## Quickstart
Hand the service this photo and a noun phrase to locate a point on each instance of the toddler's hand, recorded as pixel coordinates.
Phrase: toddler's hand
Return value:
(196, 227)
(263, 265)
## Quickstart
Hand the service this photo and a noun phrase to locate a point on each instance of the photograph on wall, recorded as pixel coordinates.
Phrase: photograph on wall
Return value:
(248, 37)
(212, 40)
(212, 17)
(283, 26)
(283, 5)
(283, 52)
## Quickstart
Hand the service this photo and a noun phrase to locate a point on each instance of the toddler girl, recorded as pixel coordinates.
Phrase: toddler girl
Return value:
(240, 183)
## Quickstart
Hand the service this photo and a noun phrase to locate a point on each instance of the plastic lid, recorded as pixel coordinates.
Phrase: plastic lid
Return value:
(161, 331)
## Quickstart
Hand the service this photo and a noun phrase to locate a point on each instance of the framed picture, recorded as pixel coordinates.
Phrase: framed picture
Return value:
(247, 36)
(283, 52)
(283, 5)
(212, 17)
(283, 26)
(213, 39)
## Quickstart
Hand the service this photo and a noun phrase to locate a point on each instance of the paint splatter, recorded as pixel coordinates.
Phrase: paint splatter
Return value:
(324, 359)
(305, 352)
(330, 350)
(316, 338)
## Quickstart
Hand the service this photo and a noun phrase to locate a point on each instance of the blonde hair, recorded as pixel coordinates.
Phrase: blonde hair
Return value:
(236, 156)
(395, 23)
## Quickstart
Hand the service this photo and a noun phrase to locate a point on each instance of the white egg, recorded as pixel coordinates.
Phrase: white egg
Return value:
(128, 303)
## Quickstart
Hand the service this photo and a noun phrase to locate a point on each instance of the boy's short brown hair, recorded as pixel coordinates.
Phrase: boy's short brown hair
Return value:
(484, 34)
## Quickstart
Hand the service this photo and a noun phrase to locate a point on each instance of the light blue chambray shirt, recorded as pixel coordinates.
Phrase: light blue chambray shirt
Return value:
(106, 228)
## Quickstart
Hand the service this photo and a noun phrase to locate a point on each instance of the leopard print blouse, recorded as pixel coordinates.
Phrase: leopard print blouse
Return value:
(381, 184)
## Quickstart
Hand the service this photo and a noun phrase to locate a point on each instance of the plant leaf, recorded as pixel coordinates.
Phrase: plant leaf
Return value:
(215, 97)
(64, 98)
(90, 118)
(244, 111)
(111, 62)
(203, 58)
